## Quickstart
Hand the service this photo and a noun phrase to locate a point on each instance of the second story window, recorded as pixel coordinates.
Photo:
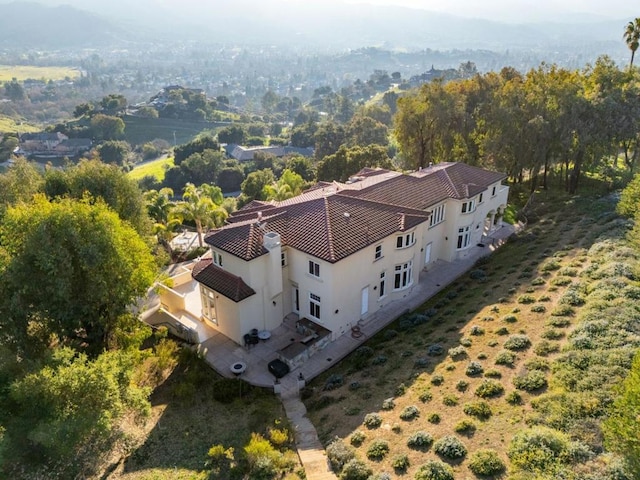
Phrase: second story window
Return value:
(480, 197)
(404, 241)
(437, 215)
(314, 268)
(283, 258)
(468, 207)
(217, 258)
(378, 253)
(493, 191)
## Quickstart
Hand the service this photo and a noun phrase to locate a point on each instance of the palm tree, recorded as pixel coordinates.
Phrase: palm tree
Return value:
(632, 37)
(162, 211)
(202, 205)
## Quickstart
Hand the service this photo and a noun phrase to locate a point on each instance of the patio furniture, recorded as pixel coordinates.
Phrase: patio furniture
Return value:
(250, 340)
(238, 368)
(264, 335)
(278, 368)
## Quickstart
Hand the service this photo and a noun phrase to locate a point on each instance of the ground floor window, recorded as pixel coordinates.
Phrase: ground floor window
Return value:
(209, 305)
(383, 283)
(464, 237)
(314, 305)
(403, 275)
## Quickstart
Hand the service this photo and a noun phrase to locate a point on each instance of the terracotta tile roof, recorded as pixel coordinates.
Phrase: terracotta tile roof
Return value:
(221, 281)
(334, 220)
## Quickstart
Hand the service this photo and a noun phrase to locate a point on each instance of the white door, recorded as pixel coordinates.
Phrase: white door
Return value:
(427, 254)
(364, 305)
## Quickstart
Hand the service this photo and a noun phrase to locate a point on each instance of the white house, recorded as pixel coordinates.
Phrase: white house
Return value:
(341, 251)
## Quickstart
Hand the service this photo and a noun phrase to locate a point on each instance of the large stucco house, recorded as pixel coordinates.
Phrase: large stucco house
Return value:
(341, 251)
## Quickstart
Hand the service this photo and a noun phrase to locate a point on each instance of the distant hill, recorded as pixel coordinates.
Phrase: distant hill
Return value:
(26, 24)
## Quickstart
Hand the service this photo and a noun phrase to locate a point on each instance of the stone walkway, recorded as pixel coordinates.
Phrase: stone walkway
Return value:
(441, 274)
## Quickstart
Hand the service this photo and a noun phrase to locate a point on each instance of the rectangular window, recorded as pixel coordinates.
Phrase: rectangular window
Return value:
(314, 306)
(480, 198)
(437, 215)
(217, 258)
(283, 258)
(378, 253)
(464, 237)
(468, 207)
(314, 268)
(403, 276)
(493, 191)
(383, 282)
(404, 241)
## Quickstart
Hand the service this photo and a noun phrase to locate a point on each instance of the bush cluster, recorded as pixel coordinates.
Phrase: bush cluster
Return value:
(530, 381)
(378, 449)
(420, 440)
(339, 453)
(486, 462)
(466, 427)
(356, 470)
(434, 470)
(474, 369)
(506, 358)
(489, 389)
(481, 410)
(409, 412)
(517, 342)
(357, 438)
(450, 447)
(372, 420)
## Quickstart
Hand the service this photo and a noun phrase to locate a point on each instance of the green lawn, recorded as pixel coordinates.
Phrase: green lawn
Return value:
(139, 130)
(24, 72)
(10, 125)
(155, 168)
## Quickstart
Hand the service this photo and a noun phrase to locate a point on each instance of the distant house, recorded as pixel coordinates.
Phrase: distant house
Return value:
(51, 145)
(245, 154)
(341, 251)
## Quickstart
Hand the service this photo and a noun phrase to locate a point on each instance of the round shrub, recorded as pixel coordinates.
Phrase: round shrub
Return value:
(493, 373)
(510, 319)
(435, 350)
(420, 440)
(552, 334)
(450, 447)
(462, 385)
(538, 281)
(561, 281)
(372, 420)
(400, 390)
(537, 364)
(334, 381)
(544, 348)
(357, 438)
(502, 331)
(339, 454)
(379, 360)
(400, 463)
(456, 353)
(481, 410)
(437, 379)
(434, 470)
(450, 400)
(514, 398)
(489, 389)
(530, 381)
(425, 395)
(356, 470)
(482, 356)
(558, 322)
(572, 298)
(466, 427)
(506, 358)
(538, 449)
(474, 369)
(433, 418)
(388, 404)
(538, 309)
(486, 462)
(517, 342)
(378, 449)
(476, 330)
(544, 298)
(525, 299)
(409, 413)
(466, 342)
(563, 311)
(550, 266)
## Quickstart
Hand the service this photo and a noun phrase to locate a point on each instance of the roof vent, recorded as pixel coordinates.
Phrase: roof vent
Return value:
(346, 215)
(271, 240)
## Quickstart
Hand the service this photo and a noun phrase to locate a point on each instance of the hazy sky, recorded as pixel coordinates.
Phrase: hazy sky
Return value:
(523, 10)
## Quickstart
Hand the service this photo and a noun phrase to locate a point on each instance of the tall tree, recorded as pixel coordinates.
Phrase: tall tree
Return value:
(74, 270)
(632, 37)
(162, 211)
(202, 205)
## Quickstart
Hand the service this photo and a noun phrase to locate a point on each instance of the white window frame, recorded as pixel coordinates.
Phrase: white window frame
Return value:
(403, 275)
(378, 252)
(314, 269)
(468, 206)
(480, 197)
(437, 215)
(217, 258)
(314, 306)
(405, 241)
(283, 258)
(464, 237)
(383, 285)
(208, 299)
(494, 190)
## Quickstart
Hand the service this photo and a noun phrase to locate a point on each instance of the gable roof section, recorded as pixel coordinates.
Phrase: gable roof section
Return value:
(221, 281)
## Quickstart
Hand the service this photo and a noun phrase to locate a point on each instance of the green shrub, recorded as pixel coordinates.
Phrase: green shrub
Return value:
(545, 347)
(514, 398)
(481, 410)
(465, 342)
(474, 369)
(372, 420)
(378, 449)
(537, 364)
(517, 342)
(550, 266)
(538, 309)
(425, 395)
(437, 379)
(420, 440)
(466, 427)
(486, 462)
(476, 330)
(356, 470)
(450, 400)
(489, 389)
(450, 447)
(530, 381)
(388, 404)
(538, 281)
(409, 413)
(334, 381)
(510, 319)
(573, 298)
(525, 299)
(563, 311)
(552, 334)
(357, 438)
(561, 281)
(482, 356)
(493, 373)
(559, 322)
(538, 450)
(339, 453)
(502, 331)
(434, 470)
(506, 358)
(568, 272)
(462, 385)
(400, 390)
(544, 298)
(400, 463)
(458, 352)
(433, 418)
